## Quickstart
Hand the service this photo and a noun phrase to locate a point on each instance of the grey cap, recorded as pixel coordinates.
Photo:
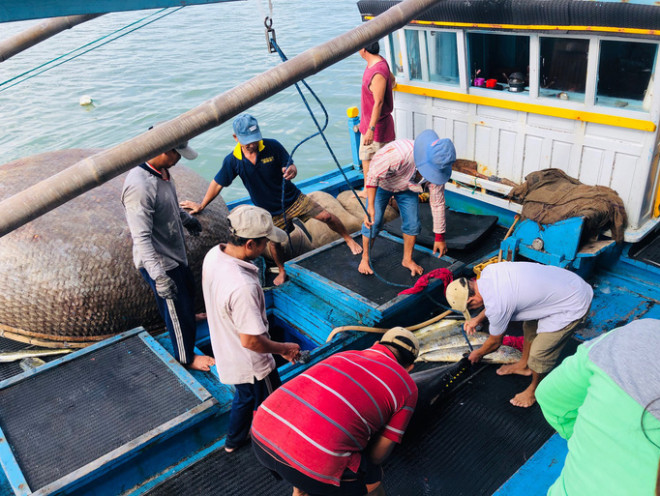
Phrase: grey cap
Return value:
(250, 222)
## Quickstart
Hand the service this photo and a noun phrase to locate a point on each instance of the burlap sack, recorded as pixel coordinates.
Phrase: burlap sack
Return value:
(351, 204)
(321, 233)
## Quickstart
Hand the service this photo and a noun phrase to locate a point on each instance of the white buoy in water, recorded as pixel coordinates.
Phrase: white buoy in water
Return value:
(85, 100)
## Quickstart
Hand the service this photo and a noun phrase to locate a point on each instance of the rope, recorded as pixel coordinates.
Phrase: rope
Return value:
(320, 132)
(382, 330)
(82, 47)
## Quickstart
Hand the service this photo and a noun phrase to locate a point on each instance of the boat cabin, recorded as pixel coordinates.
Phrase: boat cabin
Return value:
(525, 86)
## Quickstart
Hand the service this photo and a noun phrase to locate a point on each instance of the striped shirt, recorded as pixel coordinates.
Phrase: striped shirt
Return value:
(393, 169)
(321, 421)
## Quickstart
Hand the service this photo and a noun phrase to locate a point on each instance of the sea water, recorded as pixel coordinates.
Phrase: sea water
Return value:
(171, 66)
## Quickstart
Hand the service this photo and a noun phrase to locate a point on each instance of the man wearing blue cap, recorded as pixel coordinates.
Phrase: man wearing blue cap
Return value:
(398, 170)
(263, 166)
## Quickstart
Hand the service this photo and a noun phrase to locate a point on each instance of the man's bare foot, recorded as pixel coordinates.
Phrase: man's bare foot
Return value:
(514, 368)
(524, 400)
(355, 247)
(279, 280)
(415, 270)
(364, 267)
(202, 362)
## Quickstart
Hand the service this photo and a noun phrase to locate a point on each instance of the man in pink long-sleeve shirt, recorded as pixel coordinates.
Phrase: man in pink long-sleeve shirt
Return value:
(398, 170)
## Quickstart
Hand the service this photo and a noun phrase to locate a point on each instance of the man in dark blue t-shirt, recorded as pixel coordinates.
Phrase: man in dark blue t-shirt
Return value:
(262, 164)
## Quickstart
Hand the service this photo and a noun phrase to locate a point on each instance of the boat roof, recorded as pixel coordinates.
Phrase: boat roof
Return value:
(635, 17)
(20, 10)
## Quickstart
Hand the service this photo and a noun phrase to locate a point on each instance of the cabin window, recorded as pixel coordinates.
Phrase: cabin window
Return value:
(563, 67)
(396, 64)
(414, 55)
(442, 57)
(624, 74)
(432, 56)
(499, 61)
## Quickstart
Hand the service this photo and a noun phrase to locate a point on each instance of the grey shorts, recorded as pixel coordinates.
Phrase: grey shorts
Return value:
(546, 346)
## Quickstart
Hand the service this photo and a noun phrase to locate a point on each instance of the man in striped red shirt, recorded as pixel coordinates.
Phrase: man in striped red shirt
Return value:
(328, 430)
(398, 170)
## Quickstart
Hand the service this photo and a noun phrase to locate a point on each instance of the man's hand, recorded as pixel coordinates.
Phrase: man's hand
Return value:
(165, 287)
(475, 356)
(439, 247)
(470, 326)
(290, 172)
(291, 352)
(369, 218)
(193, 225)
(368, 137)
(191, 206)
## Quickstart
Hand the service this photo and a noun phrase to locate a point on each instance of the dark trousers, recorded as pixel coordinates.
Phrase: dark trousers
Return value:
(182, 328)
(247, 399)
(352, 484)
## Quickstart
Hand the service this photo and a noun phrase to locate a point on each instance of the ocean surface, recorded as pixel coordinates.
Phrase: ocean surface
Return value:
(170, 66)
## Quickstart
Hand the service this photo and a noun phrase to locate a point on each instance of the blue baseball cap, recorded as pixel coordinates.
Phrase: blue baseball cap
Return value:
(434, 157)
(246, 129)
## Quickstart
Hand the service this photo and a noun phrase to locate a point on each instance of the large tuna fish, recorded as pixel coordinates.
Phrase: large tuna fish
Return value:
(68, 276)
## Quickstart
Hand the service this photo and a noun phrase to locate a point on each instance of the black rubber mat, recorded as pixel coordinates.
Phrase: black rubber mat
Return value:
(463, 230)
(488, 244)
(469, 444)
(647, 251)
(340, 266)
(68, 416)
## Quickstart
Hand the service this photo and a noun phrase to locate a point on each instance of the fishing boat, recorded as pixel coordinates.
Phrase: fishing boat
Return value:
(519, 87)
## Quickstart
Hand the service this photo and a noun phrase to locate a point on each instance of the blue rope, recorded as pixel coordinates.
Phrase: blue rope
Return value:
(82, 47)
(320, 132)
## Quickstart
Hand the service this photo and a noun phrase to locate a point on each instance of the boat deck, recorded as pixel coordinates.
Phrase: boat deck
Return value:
(471, 444)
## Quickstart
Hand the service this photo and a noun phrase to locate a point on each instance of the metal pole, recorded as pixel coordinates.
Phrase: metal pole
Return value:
(40, 32)
(97, 169)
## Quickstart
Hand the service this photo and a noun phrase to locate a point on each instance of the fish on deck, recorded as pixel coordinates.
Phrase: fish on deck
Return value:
(14, 356)
(504, 355)
(443, 341)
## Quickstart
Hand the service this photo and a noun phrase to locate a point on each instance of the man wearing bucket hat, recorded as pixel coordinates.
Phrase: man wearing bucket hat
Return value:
(236, 313)
(397, 170)
(327, 431)
(262, 166)
(156, 223)
(550, 301)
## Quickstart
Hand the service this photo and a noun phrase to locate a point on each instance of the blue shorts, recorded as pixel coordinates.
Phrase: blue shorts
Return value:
(408, 202)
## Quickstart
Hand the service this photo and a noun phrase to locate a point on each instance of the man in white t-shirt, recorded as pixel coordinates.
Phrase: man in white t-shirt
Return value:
(236, 313)
(552, 302)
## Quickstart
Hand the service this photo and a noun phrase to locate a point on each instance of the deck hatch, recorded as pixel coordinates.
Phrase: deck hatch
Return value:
(338, 265)
(122, 391)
